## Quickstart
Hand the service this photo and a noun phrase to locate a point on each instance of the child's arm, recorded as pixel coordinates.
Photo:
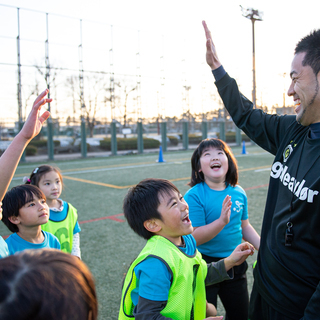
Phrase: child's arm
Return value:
(75, 251)
(239, 255)
(218, 271)
(153, 289)
(211, 310)
(205, 233)
(250, 234)
(150, 310)
(10, 158)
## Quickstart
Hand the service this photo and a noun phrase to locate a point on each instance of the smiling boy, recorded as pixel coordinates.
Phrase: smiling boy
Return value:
(167, 280)
(24, 211)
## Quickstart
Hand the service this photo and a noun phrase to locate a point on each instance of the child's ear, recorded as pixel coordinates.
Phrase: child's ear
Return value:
(14, 219)
(152, 225)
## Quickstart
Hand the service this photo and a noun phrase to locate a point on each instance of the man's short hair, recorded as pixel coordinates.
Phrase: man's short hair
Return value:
(310, 44)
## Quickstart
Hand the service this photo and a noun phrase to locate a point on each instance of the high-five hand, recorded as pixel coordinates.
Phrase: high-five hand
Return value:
(211, 55)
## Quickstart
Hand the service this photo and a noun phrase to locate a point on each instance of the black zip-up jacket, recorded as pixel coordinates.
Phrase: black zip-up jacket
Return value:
(287, 276)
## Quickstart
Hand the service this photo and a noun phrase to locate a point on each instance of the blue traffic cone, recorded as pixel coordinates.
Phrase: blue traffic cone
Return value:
(244, 148)
(160, 155)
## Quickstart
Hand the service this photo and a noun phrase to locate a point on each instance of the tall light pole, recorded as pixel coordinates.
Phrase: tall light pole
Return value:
(253, 15)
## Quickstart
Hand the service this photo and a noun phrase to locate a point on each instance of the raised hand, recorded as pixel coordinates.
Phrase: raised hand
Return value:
(10, 158)
(226, 210)
(211, 54)
(34, 122)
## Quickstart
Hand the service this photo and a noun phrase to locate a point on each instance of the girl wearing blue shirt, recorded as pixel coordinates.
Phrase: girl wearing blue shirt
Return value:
(219, 213)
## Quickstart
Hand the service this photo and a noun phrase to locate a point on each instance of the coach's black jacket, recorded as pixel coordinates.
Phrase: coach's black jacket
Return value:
(287, 276)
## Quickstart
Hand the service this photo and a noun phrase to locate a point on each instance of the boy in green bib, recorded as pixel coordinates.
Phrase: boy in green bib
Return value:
(167, 280)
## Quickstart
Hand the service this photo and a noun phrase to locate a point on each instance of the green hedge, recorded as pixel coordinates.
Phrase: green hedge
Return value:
(173, 140)
(194, 138)
(231, 136)
(129, 143)
(43, 143)
(31, 150)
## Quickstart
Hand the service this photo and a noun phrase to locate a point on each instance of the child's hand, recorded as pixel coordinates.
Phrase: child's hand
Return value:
(239, 255)
(210, 309)
(226, 210)
(34, 121)
(214, 318)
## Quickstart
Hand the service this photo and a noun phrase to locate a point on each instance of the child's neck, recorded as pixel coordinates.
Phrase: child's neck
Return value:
(218, 186)
(178, 241)
(54, 203)
(33, 235)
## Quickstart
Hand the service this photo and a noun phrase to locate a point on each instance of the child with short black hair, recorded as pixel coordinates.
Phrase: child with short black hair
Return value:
(63, 220)
(167, 280)
(24, 211)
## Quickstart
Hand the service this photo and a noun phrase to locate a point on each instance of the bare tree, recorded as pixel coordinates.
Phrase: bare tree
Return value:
(95, 95)
(126, 94)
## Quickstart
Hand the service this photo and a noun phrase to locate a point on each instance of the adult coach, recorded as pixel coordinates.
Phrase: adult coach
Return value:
(287, 274)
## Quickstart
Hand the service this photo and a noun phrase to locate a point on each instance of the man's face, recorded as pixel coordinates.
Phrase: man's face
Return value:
(305, 91)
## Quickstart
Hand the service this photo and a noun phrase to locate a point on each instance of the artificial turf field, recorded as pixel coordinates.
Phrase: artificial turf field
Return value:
(97, 186)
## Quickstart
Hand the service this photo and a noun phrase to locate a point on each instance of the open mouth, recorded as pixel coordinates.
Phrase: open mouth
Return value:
(186, 219)
(215, 166)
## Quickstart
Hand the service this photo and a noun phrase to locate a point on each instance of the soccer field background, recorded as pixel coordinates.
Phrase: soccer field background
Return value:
(97, 186)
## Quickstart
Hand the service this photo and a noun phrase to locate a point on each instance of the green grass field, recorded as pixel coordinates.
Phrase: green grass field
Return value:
(97, 186)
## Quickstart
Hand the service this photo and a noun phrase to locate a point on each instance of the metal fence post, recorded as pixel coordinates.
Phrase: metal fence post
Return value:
(140, 137)
(164, 136)
(113, 138)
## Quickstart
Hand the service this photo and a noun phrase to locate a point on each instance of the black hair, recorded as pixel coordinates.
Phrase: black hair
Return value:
(310, 44)
(46, 284)
(197, 177)
(15, 199)
(142, 201)
(38, 173)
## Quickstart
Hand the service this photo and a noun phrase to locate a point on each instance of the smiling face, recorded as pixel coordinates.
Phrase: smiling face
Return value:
(214, 166)
(32, 214)
(305, 91)
(50, 184)
(175, 217)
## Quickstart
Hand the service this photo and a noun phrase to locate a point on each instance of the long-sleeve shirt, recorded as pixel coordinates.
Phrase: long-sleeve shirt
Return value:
(288, 269)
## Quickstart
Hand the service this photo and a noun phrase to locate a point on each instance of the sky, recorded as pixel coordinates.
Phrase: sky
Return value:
(163, 41)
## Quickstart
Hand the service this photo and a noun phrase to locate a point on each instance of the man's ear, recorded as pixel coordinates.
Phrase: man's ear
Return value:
(152, 225)
(14, 219)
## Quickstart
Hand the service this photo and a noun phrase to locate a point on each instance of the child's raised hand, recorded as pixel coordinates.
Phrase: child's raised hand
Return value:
(226, 210)
(34, 121)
